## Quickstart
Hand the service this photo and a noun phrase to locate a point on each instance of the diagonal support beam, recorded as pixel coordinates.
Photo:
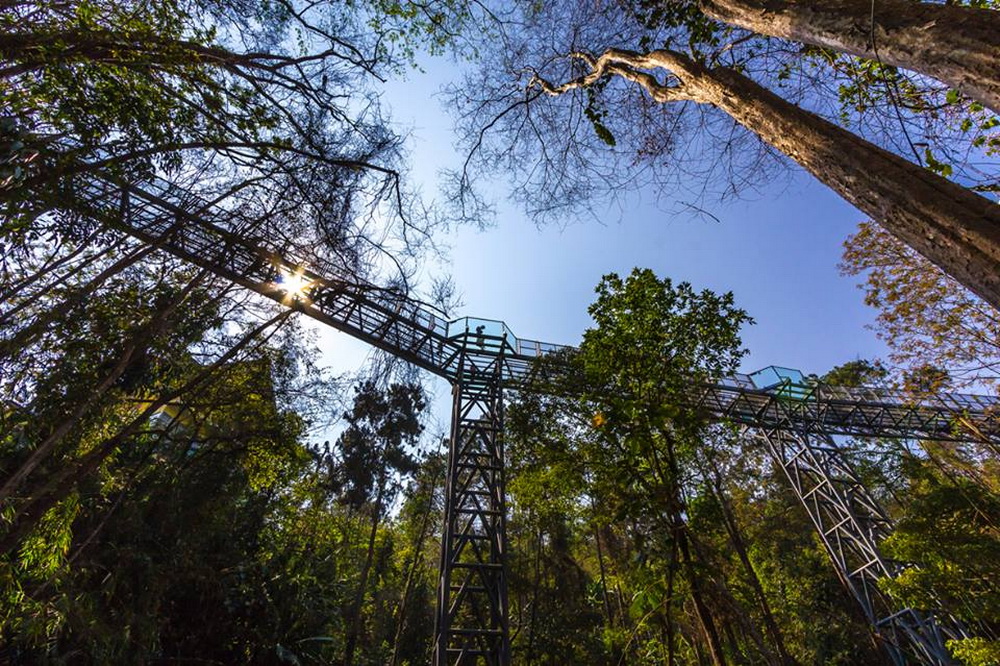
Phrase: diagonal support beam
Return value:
(851, 525)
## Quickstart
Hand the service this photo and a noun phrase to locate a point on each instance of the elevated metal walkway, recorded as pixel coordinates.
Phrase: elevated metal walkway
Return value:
(795, 417)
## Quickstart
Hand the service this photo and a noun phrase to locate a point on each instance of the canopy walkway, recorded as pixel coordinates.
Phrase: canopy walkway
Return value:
(794, 417)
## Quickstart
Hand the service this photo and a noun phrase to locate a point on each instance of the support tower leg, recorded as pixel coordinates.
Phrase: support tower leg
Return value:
(472, 619)
(851, 525)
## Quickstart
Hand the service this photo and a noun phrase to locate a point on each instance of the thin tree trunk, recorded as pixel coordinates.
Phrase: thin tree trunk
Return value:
(701, 608)
(734, 643)
(954, 44)
(139, 342)
(411, 571)
(604, 582)
(354, 628)
(61, 485)
(54, 265)
(739, 545)
(534, 597)
(40, 324)
(671, 630)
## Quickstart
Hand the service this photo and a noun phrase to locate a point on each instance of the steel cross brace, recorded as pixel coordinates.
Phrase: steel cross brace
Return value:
(472, 615)
(851, 525)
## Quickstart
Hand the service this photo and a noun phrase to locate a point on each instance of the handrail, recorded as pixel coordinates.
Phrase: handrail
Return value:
(389, 319)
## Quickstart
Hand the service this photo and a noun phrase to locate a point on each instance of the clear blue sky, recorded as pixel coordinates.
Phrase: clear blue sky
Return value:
(778, 253)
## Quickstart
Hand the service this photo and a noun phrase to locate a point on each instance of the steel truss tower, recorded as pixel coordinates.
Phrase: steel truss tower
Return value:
(851, 525)
(794, 419)
(472, 618)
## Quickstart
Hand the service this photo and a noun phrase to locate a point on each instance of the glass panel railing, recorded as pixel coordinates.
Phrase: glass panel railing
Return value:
(491, 335)
(765, 377)
(485, 334)
(785, 382)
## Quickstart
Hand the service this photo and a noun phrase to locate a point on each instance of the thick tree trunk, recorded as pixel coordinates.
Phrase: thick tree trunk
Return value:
(956, 45)
(954, 228)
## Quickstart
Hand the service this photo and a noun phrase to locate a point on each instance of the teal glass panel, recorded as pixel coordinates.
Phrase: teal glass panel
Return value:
(485, 334)
(786, 382)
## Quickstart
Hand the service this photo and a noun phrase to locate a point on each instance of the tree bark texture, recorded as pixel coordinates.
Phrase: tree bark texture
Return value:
(956, 45)
(954, 228)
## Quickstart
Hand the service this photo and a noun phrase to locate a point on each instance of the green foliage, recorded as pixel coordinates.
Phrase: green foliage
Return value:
(700, 32)
(596, 117)
(217, 535)
(854, 374)
(377, 447)
(949, 531)
(415, 26)
(975, 651)
(651, 339)
(621, 464)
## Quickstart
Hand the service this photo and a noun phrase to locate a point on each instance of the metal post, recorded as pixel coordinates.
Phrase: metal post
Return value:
(851, 525)
(472, 619)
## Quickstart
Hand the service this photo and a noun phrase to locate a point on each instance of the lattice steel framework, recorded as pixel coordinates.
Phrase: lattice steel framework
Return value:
(472, 616)
(851, 525)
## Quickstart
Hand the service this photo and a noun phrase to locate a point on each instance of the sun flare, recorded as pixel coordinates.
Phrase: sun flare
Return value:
(295, 285)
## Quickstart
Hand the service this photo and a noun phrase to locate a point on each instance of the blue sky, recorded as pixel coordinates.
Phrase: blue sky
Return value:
(778, 253)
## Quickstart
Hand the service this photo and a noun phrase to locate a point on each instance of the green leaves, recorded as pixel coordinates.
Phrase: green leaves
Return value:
(934, 165)
(596, 117)
(949, 532)
(654, 338)
(975, 651)
(378, 447)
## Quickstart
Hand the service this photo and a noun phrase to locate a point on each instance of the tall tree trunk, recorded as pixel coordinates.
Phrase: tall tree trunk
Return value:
(62, 484)
(739, 545)
(354, 621)
(418, 549)
(701, 608)
(608, 614)
(956, 45)
(671, 630)
(530, 657)
(954, 228)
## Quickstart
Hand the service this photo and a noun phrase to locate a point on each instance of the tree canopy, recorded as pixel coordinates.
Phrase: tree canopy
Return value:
(163, 493)
(644, 91)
